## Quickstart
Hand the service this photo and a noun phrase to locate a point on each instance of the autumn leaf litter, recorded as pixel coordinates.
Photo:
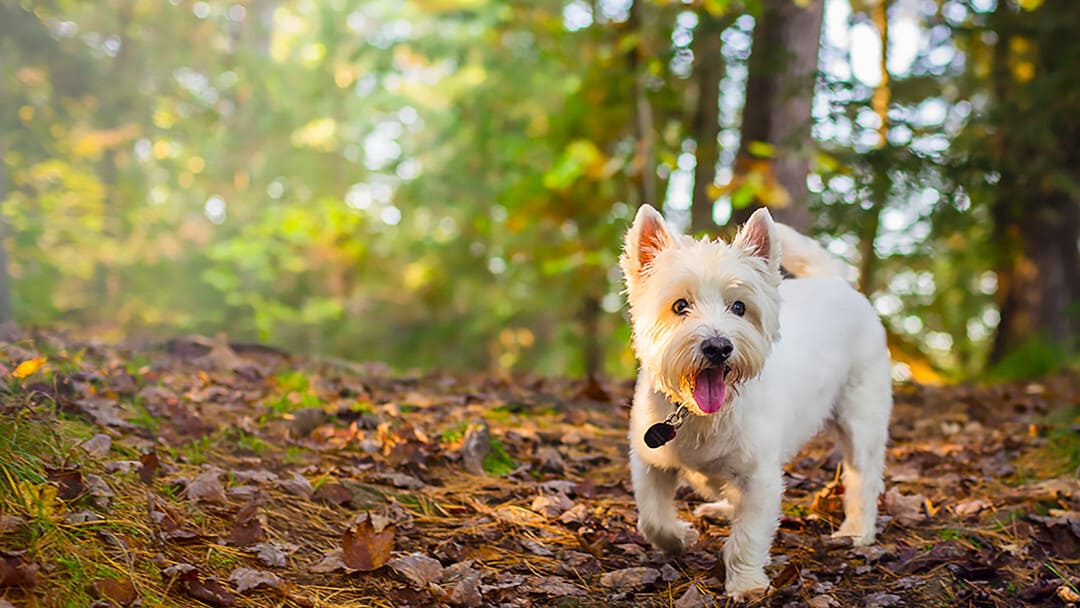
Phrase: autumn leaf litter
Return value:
(207, 473)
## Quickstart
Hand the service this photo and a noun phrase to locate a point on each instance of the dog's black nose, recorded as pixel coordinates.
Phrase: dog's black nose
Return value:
(717, 350)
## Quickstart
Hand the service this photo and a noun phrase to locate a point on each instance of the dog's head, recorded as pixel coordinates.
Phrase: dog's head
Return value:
(704, 313)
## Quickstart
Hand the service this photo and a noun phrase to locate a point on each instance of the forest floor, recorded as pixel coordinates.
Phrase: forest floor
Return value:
(201, 473)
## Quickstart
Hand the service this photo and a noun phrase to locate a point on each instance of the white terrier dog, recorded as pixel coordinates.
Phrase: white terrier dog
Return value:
(764, 364)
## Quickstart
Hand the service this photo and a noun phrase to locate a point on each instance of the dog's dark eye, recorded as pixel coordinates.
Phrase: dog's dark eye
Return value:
(738, 308)
(680, 307)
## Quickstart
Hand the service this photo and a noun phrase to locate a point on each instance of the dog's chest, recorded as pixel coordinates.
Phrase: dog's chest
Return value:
(712, 451)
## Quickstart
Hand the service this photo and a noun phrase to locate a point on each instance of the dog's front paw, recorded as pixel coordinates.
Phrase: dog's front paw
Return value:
(746, 587)
(672, 538)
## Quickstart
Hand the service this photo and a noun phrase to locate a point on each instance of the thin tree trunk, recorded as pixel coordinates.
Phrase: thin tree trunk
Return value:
(644, 168)
(1036, 223)
(881, 186)
(5, 280)
(779, 94)
(709, 70)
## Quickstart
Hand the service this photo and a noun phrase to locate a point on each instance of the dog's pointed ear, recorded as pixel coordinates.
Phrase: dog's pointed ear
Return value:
(646, 238)
(758, 237)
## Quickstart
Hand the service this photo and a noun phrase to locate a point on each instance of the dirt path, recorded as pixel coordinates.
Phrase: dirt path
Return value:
(207, 474)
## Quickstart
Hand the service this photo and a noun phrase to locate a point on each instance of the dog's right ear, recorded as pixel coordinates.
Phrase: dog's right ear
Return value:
(646, 238)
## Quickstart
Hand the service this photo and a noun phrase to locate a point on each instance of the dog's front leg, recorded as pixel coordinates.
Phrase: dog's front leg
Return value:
(658, 522)
(757, 515)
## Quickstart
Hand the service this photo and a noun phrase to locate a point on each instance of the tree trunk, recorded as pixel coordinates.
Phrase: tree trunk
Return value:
(1037, 275)
(779, 93)
(644, 167)
(709, 70)
(1036, 220)
(5, 280)
(882, 184)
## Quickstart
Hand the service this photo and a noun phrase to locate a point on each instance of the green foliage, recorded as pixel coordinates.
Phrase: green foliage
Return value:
(498, 461)
(1063, 441)
(446, 187)
(1035, 358)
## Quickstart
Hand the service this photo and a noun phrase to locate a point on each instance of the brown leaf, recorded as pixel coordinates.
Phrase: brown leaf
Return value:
(578, 514)
(150, 464)
(691, 599)
(247, 528)
(908, 510)
(69, 482)
(467, 591)
(418, 568)
(788, 575)
(297, 486)
(207, 487)
(272, 554)
(212, 592)
(551, 506)
(10, 522)
(333, 493)
(331, 562)
(106, 412)
(169, 523)
(971, 507)
(400, 480)
(246, 579)
(364, 548)
(98, 445)
(630, 578)
(16, 571)
(119, 590)
(555, 586)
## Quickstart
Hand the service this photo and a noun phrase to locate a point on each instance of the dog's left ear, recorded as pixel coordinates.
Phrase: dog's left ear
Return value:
(757, 237)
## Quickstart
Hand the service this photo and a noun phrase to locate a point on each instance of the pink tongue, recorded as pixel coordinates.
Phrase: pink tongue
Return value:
(710, 390)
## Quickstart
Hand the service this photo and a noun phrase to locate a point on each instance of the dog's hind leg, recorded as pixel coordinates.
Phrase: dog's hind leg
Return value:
(862, 421)
(724, 496)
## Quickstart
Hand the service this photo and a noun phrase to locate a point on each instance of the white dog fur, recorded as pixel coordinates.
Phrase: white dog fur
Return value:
(807, 353)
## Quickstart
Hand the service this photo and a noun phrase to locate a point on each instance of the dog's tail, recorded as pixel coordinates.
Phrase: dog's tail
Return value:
(802, 256)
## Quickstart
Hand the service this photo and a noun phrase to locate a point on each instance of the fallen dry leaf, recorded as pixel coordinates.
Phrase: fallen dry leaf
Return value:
(630, 578)
(69, 482)
(247, 527)
(246, 579)
(28, 367)
(297, 486)
(15, 571)
(467, 591)
(119, 590)
(331, 562)
(207, 487)
(98, 445)
(551, 506)
(908, 510)
(366, 548)
(150, 464)
(272, 554)
(333, 493)
(418, 569)
(212, 592)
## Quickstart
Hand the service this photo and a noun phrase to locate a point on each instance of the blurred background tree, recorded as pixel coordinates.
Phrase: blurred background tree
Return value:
(444, 183)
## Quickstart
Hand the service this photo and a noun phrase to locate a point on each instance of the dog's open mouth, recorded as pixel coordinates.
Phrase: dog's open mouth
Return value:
(710, 390)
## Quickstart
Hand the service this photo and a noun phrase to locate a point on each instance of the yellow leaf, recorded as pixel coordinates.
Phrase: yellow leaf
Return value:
(28, 367)
(1030, 5)
(761, 149)
(1024, 71)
